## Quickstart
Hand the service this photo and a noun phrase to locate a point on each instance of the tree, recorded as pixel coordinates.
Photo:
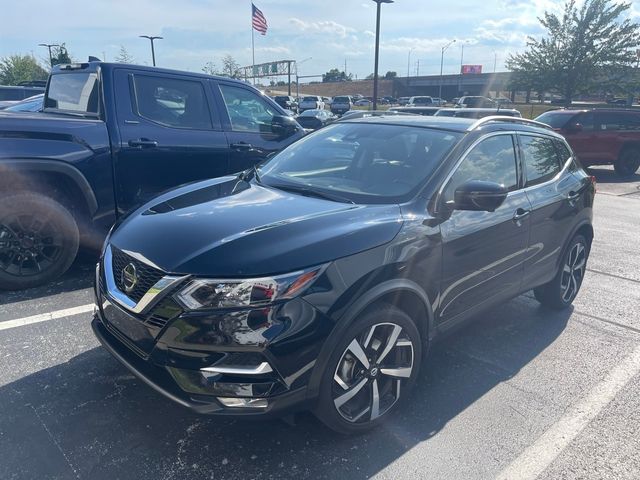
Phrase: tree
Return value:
(20, 68)
(335, 75)
(210, 68)
(582, 46)
(230, 68)
(390, 74)
(124, 56)
(60, 55)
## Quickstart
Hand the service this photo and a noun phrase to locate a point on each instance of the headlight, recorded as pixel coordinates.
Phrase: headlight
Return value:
(234, 293)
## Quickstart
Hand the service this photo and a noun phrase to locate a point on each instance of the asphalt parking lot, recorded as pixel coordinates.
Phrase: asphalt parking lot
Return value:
(518, 393)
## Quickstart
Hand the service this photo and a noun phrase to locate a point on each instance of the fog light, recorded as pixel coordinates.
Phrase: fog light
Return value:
(244, 402)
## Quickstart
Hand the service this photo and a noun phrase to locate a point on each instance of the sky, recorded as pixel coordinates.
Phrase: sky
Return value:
(329, 32)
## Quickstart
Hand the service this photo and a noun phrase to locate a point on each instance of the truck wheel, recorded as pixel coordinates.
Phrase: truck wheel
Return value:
(39, 240)
(628, 162)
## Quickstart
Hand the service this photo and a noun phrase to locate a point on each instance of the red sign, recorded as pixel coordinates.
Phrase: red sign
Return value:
(469, 69)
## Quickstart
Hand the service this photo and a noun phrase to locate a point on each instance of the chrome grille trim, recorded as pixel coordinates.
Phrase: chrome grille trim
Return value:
(148, 300)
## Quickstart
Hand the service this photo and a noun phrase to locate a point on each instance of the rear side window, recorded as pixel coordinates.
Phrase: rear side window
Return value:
(492, 160)
(172, 102)
(619, 121)
(73, 92)
(11, 94)
(540, 159)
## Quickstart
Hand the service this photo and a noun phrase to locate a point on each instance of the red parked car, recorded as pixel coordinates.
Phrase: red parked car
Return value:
(600, 137)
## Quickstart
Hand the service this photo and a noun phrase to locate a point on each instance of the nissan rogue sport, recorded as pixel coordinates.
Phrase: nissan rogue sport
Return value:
(319, 280)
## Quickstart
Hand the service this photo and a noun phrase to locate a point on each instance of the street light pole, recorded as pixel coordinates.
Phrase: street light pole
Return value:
(375, 68)
(49, 45)
(153, 52)
(409, 63)
(442, 64)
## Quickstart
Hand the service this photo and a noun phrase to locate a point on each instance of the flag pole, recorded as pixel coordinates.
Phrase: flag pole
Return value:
(253, 50)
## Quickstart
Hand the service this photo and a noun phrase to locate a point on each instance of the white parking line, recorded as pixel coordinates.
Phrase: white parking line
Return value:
(538, 456)
(45, 317)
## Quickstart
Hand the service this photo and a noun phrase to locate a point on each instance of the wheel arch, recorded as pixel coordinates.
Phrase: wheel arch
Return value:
(402, 293)
(58, 180)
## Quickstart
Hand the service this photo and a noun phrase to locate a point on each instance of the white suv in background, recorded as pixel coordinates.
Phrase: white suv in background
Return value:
(310, 102)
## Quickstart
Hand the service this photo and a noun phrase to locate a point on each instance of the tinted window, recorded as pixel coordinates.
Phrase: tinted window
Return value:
(540, 159)
(172, 102)
(555, 119)
(618, 121)
(369, 163)
(11, 94)
(341, 100)
(247, 111)
(492, 160)
(587, 120)
(77, 92)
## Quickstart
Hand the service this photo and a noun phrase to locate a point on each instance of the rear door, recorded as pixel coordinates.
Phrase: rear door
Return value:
(247, 118)
(484, 252)
(553, 193)
(168, 133)
(584, 141)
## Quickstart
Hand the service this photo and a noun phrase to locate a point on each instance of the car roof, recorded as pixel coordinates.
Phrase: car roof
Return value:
(456, 124)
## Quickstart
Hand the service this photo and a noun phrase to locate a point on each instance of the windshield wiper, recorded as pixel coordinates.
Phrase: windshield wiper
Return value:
(306, 191)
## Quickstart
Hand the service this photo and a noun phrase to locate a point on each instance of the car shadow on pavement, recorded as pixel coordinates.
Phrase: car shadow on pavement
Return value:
(90, 418)
(79, 276)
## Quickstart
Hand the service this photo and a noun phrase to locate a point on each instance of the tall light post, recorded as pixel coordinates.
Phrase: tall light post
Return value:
(297, 77)
(462, 44)
(444, 49)
(375, 68)
(153, 52)
(49, 45)
(409, 62)
(495, 61)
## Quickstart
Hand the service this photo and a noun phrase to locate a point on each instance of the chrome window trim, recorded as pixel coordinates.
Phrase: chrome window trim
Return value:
(149, 299)
(466, 153)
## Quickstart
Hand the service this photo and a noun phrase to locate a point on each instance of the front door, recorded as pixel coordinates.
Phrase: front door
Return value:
(248, 119)
(484, 252)
(168, 133)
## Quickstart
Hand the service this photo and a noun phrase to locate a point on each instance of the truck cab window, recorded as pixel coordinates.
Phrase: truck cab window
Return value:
(172, 102)
(247, 111)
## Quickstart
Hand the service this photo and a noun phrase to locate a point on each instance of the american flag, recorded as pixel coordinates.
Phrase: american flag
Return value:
(258, 20)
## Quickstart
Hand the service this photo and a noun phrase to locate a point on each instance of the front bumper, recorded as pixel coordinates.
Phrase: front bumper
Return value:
(162, 381)
(249, 362)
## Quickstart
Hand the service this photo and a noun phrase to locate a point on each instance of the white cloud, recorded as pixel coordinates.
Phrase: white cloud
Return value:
(322, 26)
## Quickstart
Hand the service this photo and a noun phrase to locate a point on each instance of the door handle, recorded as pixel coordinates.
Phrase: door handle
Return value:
(520, 214)
(573, 196)
(143, 143)
(241, 146)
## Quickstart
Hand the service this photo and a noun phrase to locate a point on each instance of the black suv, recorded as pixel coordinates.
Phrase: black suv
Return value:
(287, 102)
(320, 279)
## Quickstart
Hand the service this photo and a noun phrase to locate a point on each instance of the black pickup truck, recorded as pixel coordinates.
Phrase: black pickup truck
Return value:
(112, 136)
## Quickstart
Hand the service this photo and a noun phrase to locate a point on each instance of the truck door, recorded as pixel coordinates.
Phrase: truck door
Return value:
(248, 121)
(168, 135)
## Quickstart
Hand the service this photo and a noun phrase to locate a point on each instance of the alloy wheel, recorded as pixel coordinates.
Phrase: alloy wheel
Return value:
(370, 374)
(28, 245)
(573, 272)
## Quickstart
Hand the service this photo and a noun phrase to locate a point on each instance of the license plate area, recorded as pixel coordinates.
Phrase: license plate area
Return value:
(131, 331)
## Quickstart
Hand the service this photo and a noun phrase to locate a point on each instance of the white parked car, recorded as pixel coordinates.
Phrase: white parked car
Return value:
(363, 102)
(421, 101)
(311, 102)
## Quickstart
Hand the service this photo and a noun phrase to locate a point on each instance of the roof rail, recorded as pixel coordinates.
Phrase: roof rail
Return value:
(506, 119)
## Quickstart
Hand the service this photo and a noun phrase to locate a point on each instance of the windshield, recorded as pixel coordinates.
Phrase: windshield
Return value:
(310, 99)
(341, 100)
(555, 119)
(366, 163)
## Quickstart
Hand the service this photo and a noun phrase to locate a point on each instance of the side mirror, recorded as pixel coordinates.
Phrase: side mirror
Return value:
(284, 126)
(575, 128)
(479, 196)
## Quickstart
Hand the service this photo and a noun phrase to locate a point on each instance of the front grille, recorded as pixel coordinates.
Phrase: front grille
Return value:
(147, 275)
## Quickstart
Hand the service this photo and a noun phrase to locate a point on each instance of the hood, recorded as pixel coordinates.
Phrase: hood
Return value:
(209, 229)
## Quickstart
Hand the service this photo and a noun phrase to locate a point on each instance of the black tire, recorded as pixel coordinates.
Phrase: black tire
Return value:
(391, 379)
(560, 292)
(628, 162)
(39, 240)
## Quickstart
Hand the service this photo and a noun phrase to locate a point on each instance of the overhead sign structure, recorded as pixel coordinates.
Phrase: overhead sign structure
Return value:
(271, 69)
(471, 69)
